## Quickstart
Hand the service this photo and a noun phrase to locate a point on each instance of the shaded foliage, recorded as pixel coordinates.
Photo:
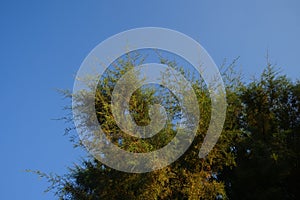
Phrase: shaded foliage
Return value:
(268, 151)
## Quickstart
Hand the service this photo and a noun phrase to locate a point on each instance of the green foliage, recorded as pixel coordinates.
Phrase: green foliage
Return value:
(268, 152)
(256, 157)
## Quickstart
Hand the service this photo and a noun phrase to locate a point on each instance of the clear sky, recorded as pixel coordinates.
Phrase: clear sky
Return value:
(42, 45)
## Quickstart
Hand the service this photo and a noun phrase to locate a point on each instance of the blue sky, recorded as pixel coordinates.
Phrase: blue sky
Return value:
(42, 45)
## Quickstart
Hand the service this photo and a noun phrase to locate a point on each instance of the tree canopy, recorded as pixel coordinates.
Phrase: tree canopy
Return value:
(256, 157)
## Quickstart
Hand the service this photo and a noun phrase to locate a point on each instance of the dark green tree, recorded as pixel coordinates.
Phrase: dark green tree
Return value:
(268, 150)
